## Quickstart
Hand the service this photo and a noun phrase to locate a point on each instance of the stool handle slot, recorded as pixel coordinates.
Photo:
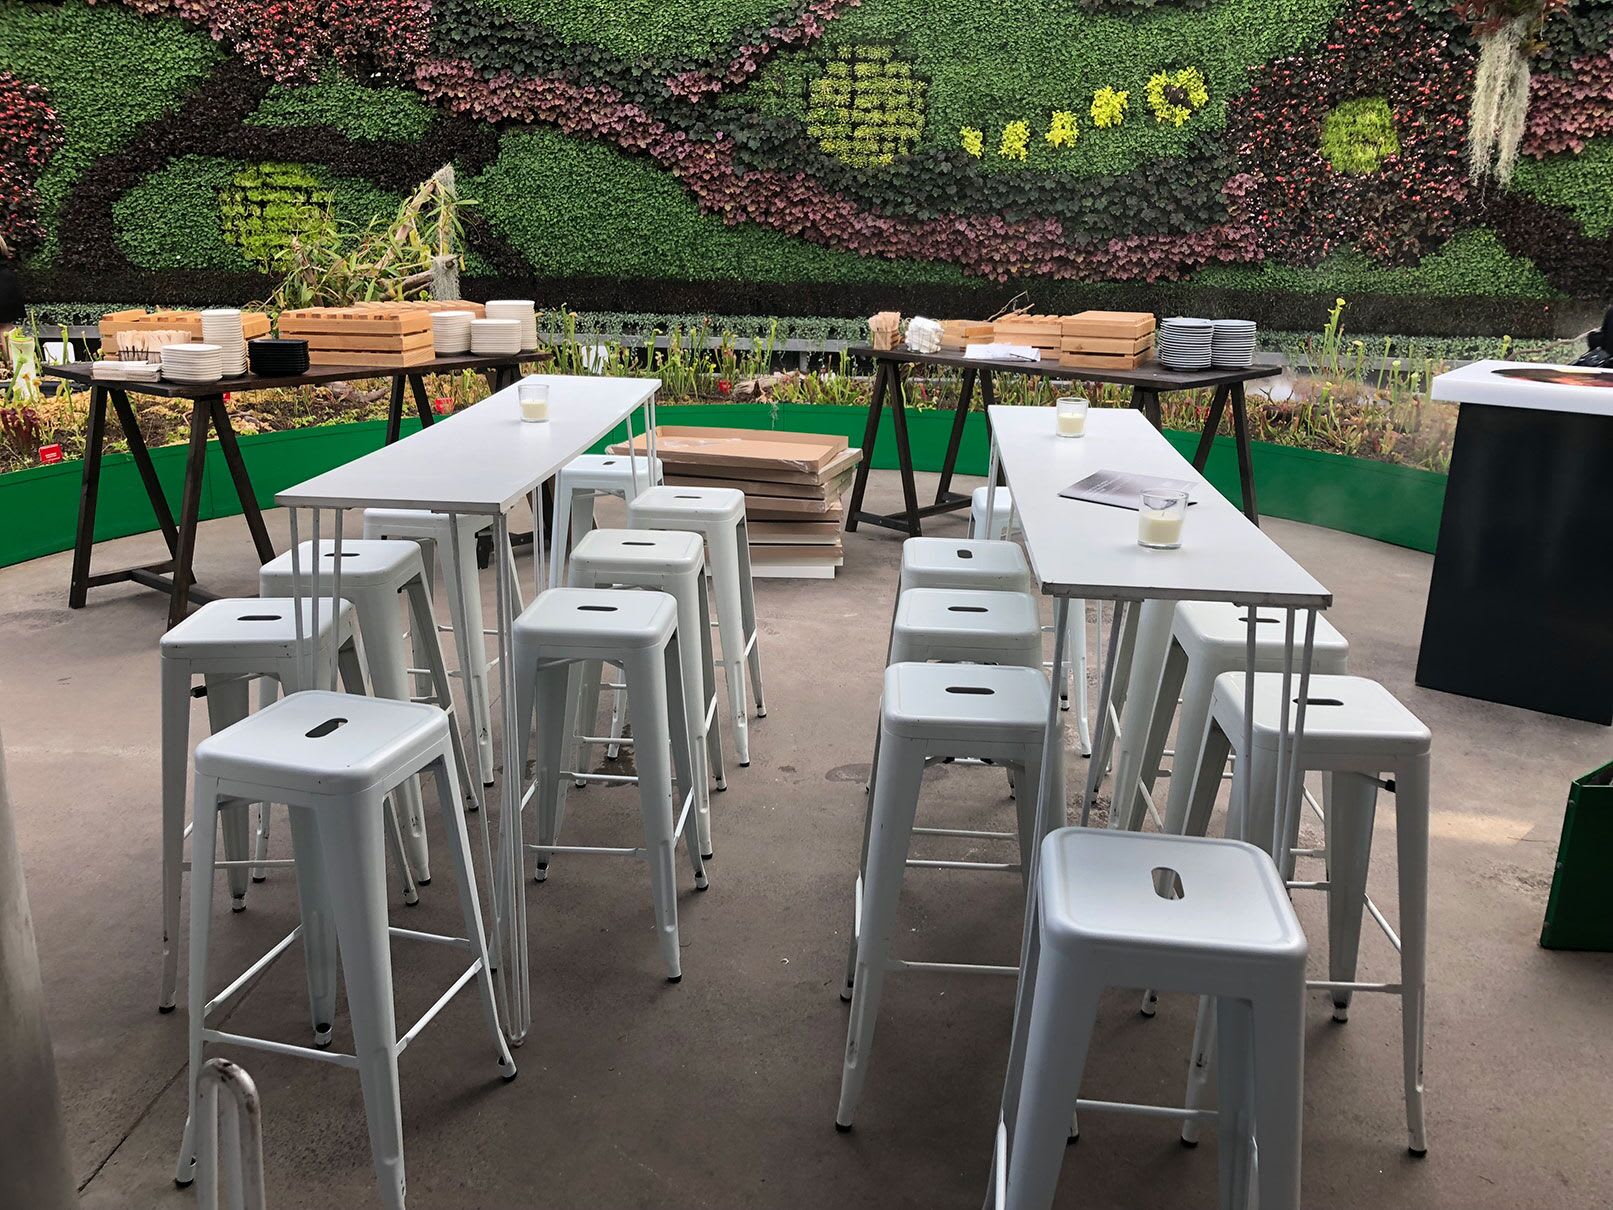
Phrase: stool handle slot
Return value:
(1167, 883)
(1320, 701)
(260, 617)
(966, 609)
(979, 690)
(597, 608)
(325, 728)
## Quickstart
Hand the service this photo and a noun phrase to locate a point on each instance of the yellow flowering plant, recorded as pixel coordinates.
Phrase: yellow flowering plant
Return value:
(1109, 107)
(1063, 130)
(1174, 95)
(974, 142)
(1015, 141)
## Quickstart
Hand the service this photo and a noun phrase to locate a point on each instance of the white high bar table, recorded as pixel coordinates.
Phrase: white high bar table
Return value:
(482, 462)
(1078, 550)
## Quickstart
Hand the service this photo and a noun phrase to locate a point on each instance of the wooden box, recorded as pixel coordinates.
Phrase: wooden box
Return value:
(1111, 346)
(253, 323)
(1105, 361)
(374, 319)
(960, 333)
(1109, 323)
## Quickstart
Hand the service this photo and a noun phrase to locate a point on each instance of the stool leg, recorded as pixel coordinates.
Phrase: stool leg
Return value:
(585, 712)
(175, 762)
(350, 664)
(204, 839)
(724, 561)
(1201, 1065)
(1258, 829)
(1278, 1036)
(646, 679)
(1136, 720)
(1235, 1125)
(894, 805)
(618, 723)
(747, 605)
(560, 531)
(552, 699)
(1214, 749)
(1159, 729)
(388, 668)
(1077, 643)
(452, 806)
(1197, 692)
(709, 715)
(684, 762)
(228, 699)
(465, 609)
(268, 691)
(1062, 1011)
(1349, 851)
(1411, 835)
(352, 849)
(318, 925)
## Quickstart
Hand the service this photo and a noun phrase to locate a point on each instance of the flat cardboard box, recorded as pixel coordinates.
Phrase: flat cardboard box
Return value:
(794, 533)
(833, 511)
(742, 449)
(1125, 346)
(835, 487)
(1109, 323)
(834, 553)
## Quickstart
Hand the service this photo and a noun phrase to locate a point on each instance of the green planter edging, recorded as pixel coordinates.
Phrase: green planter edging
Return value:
(39, 506)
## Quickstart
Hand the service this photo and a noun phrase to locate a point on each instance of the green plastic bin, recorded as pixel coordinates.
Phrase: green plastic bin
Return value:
(1579, 914)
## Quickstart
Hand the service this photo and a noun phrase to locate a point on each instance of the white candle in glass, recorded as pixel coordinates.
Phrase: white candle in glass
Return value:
(1071, 416)
(534, 399)
(1160, 519)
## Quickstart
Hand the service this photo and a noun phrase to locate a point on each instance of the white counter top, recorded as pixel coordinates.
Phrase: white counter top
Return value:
(483, 459)
(1479, 383)
(1079, 549)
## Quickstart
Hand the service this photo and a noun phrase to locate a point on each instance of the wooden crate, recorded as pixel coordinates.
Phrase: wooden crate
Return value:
(253, 323)
(1108, 323)
(1105, 361)
(1110, 346)
(372, 319)
(369, 358)
(961, 333)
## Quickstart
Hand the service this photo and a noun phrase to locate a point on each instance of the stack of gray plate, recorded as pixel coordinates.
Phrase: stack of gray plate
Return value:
(1184, 344)
(1233, 345)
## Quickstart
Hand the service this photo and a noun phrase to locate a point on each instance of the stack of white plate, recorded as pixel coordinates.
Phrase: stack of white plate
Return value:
(1233, 346)
(222, 327)
(1184, 344)
(450, 331)
(192, 363)
(491, 336)
(522, 310)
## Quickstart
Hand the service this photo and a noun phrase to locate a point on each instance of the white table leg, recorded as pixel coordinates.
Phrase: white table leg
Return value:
(1142, 694)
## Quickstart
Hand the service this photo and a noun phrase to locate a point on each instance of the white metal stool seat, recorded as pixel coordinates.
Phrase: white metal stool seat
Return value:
(931, 710)
(671, 561)
(374, 573)
(579, 483)
(1126, 909)
(965, 563)
(1209, 638)
(957, 625)
(333, 758)
(228, 643)
(564, 629)
(1356, 731)
(718, 515)
(455, 537)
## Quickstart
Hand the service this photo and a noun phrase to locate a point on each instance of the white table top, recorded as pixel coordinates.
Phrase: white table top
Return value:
(1479, 383)
(1079, 549)
(484, 459)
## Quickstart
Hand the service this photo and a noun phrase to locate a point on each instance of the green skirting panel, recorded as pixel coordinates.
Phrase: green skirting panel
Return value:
(39, 506)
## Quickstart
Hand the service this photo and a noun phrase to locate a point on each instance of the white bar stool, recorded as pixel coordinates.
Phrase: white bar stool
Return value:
(1356, 731)
(965, 563)
(374, 572)
(227, 643)
(928, 711)
(455, 536)
(582, 480)
(1128, 909)
(672, 562)
(638, 633)
(333, 758)
(718, 515)
(1209, 638)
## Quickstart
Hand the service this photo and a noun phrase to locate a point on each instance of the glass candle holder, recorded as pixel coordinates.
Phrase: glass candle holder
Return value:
(534, 400)
(1071, 416)
(1160, 519)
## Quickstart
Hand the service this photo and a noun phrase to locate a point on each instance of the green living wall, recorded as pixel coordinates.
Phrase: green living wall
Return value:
(830, 156)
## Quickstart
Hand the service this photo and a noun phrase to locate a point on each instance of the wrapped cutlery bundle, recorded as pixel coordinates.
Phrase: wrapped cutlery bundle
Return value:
(885, 329)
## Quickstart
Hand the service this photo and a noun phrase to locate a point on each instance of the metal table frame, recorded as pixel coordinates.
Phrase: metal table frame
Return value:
(1147, 383)
(1136, 612)
(507, 877)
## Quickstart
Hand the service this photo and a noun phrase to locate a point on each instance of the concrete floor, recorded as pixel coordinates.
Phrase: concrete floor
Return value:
(721, 1091)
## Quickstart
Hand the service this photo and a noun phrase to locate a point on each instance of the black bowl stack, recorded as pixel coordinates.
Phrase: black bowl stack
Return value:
(277, 358)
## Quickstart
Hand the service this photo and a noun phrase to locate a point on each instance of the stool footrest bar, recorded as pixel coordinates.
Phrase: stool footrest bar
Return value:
(1339, 985)
(595, 850)
(469, 973)
(1178, 1113)
(339, 1058)
(926, 863)
(965, 968)
(250, 975)
(971, 833)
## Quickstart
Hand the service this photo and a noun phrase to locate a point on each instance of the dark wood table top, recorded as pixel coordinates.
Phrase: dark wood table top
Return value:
(1150, 376)
(80, 373)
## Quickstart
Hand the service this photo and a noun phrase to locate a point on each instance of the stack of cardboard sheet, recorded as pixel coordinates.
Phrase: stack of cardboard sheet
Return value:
(793, 485)
(1106, 340)
(389, 336)
(1040, 332)
(253, 324)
